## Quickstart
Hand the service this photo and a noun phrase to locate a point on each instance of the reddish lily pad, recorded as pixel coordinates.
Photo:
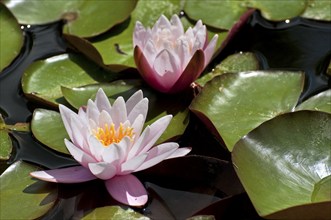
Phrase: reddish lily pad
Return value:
(287, 157)
(236, 103)
(17, 187)
(83, 18)
(11, 39)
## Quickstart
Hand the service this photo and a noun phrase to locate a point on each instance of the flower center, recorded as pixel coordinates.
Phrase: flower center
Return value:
(108, 134)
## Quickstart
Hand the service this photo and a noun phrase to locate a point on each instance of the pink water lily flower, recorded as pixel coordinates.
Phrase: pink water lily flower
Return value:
(108, 142)
(168, 58)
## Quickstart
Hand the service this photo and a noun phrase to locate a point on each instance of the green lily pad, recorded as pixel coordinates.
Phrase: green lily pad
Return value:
(219, 14)
(278, 10)
(5, 141)
(117, 48)
(159, 104)
(319, 102)
(114, 212)
(234, 63)
(236, 103)
(48, 128)
(84, 18)
(18, 189)
(280, 162)
(43, 79)
(11, 39)
(318, 10)
(322, 190)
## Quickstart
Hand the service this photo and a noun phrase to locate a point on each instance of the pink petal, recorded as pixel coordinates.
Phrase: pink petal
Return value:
(209, 51)
(104, 118)
(177, 27)
(66, 115)
(75, 174)
(92, 111)
(146, 71)
(133, 100)
(118, 112)
(78, 154)
(160, 24)
(117, 152)
(78, 137)
(150, 52)
(200, 39)
(180, 152)
(102, 170)
(132, 164)
(127, 189)
(139, 35)
(141, 108)
(184, 52)
(197, 27)
(191, 72)
(150, 136)
(101, 101)
(96, 147)
(158, 154)
(137, 126)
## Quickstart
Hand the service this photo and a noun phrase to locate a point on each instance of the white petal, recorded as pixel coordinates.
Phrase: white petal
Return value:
(118, 112)
(92, 111)
(66, 115)
(180, 152)
(200, 39)
(161, 23)
(77, 136)
(140, 108)
(139, 35)
(104, 119)
(150, 52)
(102, 170)
(209, 51)
(177, 26)
(96, 147)
(102, 102)
(132, 164)
(117, 152)
(78, 154)
(133, 100)
(137, 126)
(158, 154)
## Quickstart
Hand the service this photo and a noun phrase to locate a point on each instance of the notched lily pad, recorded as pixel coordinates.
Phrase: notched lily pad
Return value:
(236, 103)
(11, 39)
(319, 102)
(287, 157)
(48, 128)
(43, 79)
(84, 18)
(17, 187)
(159, 104)
(114, 212)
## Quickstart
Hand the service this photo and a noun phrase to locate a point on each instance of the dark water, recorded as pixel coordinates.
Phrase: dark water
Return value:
(298, 45)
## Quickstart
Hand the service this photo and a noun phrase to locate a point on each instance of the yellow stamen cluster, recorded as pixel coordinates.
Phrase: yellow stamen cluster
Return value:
(108, 134)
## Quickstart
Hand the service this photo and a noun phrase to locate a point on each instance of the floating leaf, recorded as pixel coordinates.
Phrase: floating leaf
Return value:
(234, 63)
(84, 18)
(114, 212)
(44, 78)
(159, 104)
(318, 10)
(19, 190)
(219, 14)
(319, 102)
(48, 128)
(11, 37)
(5, 142)
(322, 190)
(278, 10)
(117, 48)
(280, 162)
(236, 103)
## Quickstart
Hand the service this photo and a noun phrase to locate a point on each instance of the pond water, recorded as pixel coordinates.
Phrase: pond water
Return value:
(297, 44)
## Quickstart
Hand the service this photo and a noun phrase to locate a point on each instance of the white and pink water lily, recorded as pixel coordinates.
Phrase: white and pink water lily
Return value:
(108, 142)
(168, 58)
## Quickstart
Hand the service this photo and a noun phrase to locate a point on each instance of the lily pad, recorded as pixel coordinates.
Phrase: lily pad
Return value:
(159, 104)
(239, 62)
(11, 39)
(117, 48)
(84, 18)
(5, 142)
(48, 128)
(43, 79)
(114, 212)
(319, 102)
(236, 103)
(322, 190)
(278, 10)
(318, 10)
(219, 14)
(18, 189)
(285, 158)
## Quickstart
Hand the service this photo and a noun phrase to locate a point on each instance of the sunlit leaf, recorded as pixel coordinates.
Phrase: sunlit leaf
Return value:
(281, 161)
(43, 79)
(114, 212)
(11, 37)
(236, 103)
(48, 128)
(318, 10)
(83, 18)
(322, 190)
(319, 102)
(22, 197)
